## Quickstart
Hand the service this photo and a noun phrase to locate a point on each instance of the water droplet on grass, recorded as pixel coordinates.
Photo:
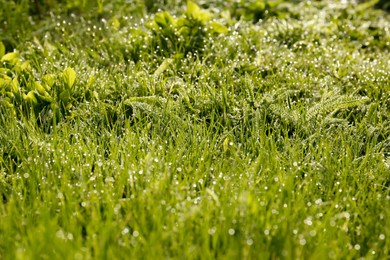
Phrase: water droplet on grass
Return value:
(212, 231)
(125, 231)
(308, 221)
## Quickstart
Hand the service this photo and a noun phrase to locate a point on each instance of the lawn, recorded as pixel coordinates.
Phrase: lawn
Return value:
(138, 129)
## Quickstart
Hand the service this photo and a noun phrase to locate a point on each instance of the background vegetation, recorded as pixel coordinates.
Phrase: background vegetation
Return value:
(216, 129)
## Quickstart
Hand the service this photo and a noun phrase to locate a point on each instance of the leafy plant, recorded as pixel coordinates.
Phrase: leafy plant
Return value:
(53, 95)
(185, 34)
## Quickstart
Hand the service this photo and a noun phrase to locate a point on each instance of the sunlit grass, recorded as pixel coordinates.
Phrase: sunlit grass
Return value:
(268, 138)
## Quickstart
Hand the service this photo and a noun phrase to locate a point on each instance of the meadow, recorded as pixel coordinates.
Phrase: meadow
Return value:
(171, 129)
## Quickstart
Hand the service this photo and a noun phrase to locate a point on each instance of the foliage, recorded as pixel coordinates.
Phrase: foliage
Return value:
(48, 98)
(187, 33)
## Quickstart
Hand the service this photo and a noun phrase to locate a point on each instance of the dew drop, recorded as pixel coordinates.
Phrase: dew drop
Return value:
(125, 231)
(211, 231)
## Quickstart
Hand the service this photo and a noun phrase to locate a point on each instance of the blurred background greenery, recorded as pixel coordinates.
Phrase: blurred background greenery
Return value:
(18, 16)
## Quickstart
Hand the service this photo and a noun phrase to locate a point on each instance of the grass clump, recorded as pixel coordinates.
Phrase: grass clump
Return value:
(242, 129)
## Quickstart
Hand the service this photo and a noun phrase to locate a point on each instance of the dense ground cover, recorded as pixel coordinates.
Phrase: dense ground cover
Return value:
(167, 129)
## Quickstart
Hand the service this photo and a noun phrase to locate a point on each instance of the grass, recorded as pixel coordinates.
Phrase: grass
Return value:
(223, 130)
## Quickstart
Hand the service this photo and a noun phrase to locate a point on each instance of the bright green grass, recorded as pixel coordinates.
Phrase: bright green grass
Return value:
(246, 139)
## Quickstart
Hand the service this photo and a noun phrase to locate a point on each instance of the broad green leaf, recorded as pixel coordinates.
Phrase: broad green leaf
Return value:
(219, 28)
(10, 95)
(257, 6)
(5, 72)
(44, 97)
(69, 76)
(2, 49)
(30, 97)
(184, 30)
(163, 19)
(15, 85)
(194, 11)
(2, 83)
(5, 81)
(7, 102)
(48, 81)
(65, 96)
(204, 16)
(41, 90)
(11, 57)
(54, 106)
(26, 66)
(115, 23)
